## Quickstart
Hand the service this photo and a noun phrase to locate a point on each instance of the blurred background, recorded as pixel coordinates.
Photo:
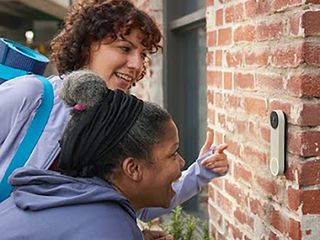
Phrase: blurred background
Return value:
(32, 23)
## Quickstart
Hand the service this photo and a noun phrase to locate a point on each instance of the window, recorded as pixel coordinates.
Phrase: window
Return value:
(185, 86)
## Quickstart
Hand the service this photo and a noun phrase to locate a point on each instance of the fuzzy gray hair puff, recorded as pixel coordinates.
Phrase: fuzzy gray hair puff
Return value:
(83, 86)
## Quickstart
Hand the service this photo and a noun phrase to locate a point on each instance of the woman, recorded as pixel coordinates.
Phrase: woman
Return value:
(118, 155)
(113, 39)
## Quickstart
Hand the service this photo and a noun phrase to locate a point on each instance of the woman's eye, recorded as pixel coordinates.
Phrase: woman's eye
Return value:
(125, 49)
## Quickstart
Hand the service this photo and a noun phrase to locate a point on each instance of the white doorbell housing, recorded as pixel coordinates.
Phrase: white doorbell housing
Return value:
(278, 141)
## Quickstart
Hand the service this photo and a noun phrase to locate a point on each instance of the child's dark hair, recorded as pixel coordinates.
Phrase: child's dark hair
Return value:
(90, 21)
(94, 142)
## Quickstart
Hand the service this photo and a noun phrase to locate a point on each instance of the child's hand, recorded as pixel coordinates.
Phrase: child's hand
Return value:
(156, 235)
(218, 161)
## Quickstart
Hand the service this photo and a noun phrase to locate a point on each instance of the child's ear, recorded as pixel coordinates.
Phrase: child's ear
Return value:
(132, 168)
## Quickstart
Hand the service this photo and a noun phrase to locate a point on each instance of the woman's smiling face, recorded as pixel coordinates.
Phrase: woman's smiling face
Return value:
(120, 63)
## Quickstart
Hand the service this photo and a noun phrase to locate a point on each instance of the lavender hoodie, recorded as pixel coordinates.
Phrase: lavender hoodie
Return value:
(48, 205)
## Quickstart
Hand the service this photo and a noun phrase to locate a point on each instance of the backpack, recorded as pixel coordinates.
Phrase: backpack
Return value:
(17, 60)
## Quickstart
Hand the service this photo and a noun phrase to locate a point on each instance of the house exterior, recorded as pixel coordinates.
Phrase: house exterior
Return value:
(260, 56)
(226, 65)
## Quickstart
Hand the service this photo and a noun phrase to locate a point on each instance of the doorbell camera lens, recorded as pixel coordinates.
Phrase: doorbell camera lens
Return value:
(274, 120)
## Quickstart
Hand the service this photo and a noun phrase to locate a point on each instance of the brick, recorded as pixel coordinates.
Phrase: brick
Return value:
(211, 192)
(243, 218)
(228, 83)
(265, 133)
(309, 115)
(233, 147)
(279, 221)
(224, 36)
(245, 33)
(256, 207)
(234, 59)
(219, 17)
(310, 173)
(254, 156)
(293, 198)
(276, 104)
(210, 78)
(221, 120)
(230, 127)
(269, 81)
(234, 13)
(214, 79)
(224, 203)
(219, 139)
(244, 81)
(256, 58)
(294, 229)
(304, 173)
(241, 173)
(311, 53)
(255, 8)
(270, 31)
(287, 56)
(218, 100)
(267, 186)
(305, 143)
(255, 106)
(212, 39)
(210, 58)
(304, 85)
(309, 23)
(283, 4)
(311, 203)
(295, 25)
(241, 127)
(253, 129)
(211, 116)
(215, 216)
(273, 236)
(210, 97)
(218, 58)
(235, 192)
(236, 232)
(210, 3)
(233, 102)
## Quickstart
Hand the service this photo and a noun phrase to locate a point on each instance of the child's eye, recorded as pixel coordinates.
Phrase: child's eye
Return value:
(176, 154)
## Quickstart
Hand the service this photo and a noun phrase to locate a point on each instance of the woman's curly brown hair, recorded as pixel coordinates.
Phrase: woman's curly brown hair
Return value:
(90, 21)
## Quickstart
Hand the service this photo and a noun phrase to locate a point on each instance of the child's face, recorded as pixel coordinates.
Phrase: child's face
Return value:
(119, 63)
(165, 169)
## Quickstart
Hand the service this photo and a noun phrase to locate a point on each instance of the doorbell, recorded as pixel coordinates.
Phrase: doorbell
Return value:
(278, 141)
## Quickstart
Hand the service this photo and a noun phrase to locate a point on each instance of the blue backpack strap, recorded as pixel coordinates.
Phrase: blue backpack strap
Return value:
(7, 73)
(32, 136)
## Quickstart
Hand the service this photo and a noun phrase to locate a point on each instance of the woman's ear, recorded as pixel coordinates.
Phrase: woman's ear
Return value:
(132, 168)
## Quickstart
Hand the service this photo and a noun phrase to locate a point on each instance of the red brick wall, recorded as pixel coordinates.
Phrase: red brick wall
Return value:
(151, 87)
(265, 55)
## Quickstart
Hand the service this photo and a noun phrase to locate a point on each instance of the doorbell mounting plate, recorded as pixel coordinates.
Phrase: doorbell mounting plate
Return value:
(277, 142)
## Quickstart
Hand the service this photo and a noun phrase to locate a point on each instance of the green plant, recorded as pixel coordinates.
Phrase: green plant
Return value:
(183, 226)
(205, 230)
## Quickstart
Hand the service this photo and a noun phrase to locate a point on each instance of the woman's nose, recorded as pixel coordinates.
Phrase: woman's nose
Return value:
(135, 62)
